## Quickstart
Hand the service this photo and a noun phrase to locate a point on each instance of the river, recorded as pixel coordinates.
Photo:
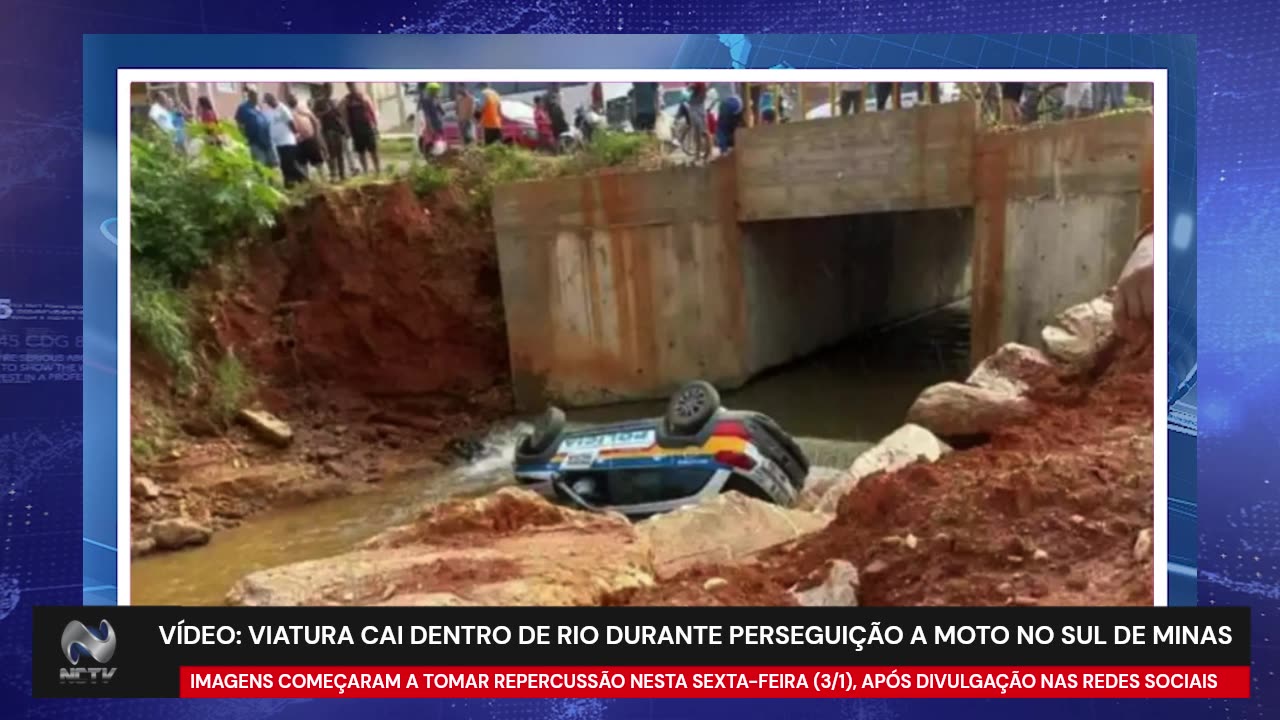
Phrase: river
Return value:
(837, 401)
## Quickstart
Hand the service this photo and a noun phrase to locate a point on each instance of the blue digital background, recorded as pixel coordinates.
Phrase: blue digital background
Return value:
(1232, 62)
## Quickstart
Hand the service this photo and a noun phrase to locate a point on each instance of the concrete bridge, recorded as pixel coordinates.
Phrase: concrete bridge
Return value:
(622, 286)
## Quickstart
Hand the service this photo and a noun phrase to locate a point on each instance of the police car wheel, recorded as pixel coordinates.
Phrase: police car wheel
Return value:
(691, 407)
(546, 431)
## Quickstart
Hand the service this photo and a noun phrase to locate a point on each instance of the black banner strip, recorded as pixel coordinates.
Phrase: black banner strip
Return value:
(136, 651)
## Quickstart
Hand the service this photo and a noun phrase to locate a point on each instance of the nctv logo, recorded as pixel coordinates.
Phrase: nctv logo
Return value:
(79, 641)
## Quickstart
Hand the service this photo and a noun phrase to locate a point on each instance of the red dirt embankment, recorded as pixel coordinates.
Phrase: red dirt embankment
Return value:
(376, 292)
(372, 324)
(1047, 512)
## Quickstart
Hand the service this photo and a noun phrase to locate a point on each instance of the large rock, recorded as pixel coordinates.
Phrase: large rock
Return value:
(508, 548)
(953, 409)
(145, 487)
(909, 443)
(818, 483)
(179, 532)
(1080, 332)
(1011, 369)
(728, 528)
(267, 427)
(837, 587)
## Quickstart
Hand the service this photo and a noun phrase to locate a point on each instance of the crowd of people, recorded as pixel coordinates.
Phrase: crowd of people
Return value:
(326, 137)
(320, 137)
(330, 137)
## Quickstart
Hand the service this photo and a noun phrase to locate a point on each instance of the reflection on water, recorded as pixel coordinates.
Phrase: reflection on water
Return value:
(858, 391)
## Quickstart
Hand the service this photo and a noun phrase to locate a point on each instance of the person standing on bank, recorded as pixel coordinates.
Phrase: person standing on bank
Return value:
(490, 114)
(464, 111)
(284, 138)
(333, 129)
(256, 129)
(310, 147)
(362, 121)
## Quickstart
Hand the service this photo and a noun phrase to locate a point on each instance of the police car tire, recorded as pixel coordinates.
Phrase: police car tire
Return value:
(688, 421)
(546, 431)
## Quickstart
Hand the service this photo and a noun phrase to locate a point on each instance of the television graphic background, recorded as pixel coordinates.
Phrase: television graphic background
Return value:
(1220, 82)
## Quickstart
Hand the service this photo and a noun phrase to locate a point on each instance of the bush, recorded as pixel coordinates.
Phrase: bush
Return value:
(232, 387)
(186, 207)
(610, 149)
(427, 178)
(160, 317)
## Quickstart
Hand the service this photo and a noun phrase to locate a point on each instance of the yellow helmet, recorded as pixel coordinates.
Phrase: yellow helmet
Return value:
(435, 86)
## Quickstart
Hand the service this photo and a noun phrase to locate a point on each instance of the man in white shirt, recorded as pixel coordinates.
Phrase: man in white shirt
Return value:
(161, 112)
(284, 137)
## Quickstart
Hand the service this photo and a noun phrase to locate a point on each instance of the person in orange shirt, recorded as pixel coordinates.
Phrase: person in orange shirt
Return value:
(490, 114)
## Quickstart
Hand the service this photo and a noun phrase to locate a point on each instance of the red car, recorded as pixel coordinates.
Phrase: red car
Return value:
(518, 127)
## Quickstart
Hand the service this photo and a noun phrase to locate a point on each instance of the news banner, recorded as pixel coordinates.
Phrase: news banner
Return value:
(402, 652)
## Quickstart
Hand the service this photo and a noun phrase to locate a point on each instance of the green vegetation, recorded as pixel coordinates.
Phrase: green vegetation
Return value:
(160, 318)
(612, 149)
(427, 178)
(233, 385)
(186, 207)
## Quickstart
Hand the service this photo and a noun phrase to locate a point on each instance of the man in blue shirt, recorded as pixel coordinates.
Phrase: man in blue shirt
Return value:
(728, 119)
(257, 131)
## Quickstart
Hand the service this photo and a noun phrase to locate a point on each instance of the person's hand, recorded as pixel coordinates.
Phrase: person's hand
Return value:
(1134, 305)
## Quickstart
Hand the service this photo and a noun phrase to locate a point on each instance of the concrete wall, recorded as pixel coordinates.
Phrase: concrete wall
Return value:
(914, 159)
(621, 286)
(812, 283)
(1057, 209)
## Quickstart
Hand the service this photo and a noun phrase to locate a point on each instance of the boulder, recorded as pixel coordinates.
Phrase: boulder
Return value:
(267, 427)
(728, 528)
(179, 532)
(837, 587)
(509, 548)
(818, 483)
(145, 487)
(1011, 369)
(909, 443)
(1080, 332)
(953, 409)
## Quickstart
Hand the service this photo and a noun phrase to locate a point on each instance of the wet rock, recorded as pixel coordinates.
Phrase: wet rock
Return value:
(1142, 547)
(953, 409)
(910, 541)
(145, 487)
(142, 546)
(1039, 555)
(1080, 332)
(174, 533)
(509, 548)
(909, 443)
(1010, 370)
(838, 587)
(728, 528)
(465, 449)
(267, 427)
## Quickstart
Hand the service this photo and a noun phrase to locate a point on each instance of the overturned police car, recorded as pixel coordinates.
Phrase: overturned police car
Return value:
(642, 467)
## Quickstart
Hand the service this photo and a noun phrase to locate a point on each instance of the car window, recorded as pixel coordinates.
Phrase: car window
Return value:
(634, 487)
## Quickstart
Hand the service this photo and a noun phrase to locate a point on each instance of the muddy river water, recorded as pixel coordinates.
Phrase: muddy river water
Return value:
(839, 401)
